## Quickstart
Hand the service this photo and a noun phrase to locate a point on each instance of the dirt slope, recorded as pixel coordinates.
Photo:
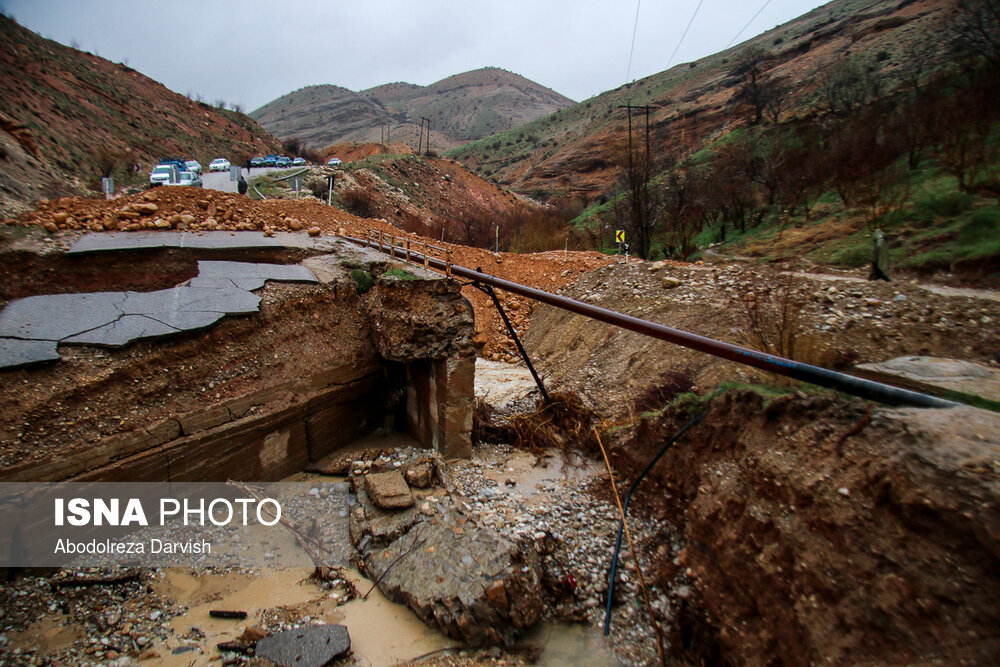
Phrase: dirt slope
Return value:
(63, 112)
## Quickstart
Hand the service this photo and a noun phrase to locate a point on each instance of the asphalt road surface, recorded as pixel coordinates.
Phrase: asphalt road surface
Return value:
(219, 180)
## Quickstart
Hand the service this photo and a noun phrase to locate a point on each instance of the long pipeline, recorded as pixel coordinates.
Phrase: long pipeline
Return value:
(823, 377)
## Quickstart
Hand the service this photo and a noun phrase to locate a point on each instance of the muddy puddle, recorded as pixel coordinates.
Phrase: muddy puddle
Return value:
(382, 632)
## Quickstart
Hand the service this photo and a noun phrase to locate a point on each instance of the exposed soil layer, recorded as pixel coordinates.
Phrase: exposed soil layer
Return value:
(822, 531)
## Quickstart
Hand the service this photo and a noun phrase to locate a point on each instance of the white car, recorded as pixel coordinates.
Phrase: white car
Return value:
(299, 162)
(163, 174)
(190, 178)
(334, 162)
(219, 164)
(193, 165)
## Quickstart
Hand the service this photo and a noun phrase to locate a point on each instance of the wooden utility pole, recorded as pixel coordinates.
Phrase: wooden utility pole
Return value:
(420, 139)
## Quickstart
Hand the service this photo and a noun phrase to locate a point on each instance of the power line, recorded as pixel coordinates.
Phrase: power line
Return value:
(684, 34)
(763, 7)
(635, 28)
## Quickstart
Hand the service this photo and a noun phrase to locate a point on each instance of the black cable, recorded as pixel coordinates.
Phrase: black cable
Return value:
(684, 34)
(628, 499)
(752, 18)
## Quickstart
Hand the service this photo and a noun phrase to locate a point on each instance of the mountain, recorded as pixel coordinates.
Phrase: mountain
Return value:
(67, 117)
(461, 108)
(575, 150)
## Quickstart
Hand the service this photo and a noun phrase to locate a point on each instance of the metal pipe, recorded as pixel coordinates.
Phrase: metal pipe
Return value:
(823, 377)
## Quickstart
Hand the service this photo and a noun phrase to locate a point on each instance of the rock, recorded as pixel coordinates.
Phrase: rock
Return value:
(145, 208)
(51, 227)
(294, 224)
(388, 490)
(314, 231)
(670, 283)
(253, 634)
(420, 474)
(311, 646)
(442, 576)
(60, 217)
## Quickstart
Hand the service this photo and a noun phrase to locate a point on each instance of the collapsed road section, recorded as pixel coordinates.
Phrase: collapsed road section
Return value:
(295, 371)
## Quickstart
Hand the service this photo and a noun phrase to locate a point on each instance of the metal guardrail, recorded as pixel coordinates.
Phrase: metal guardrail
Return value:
(403, 248)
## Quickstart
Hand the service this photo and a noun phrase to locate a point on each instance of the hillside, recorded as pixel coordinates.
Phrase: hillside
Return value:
(854, 121)
(67, 116)
(576, 149)
(461, 108)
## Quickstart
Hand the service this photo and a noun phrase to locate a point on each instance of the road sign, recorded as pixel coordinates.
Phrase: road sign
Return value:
(620, 236)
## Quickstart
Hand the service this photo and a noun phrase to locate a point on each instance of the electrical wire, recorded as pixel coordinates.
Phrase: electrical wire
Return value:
(752, 18)
(684, 34)
(631, 50)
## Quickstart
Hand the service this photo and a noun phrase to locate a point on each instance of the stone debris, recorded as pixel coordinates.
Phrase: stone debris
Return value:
(308, 646)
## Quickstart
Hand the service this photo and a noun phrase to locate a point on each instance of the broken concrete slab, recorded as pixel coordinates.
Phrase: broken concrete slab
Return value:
(15, 352)
(212, 240)
(104, 242)
(122, 331)
(388, 490)
(936, 375)
(58, 316)
(309, 646)
(283, 272)
(455, 574)
(115, 319)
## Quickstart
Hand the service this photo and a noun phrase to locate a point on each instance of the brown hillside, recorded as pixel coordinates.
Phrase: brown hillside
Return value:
(461, 108)
(65, 111)
(575, 149)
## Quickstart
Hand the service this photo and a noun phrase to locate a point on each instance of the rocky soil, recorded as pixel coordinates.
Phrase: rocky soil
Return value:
(835, 319)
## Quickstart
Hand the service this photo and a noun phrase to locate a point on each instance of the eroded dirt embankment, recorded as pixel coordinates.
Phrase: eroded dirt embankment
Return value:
(819, 530)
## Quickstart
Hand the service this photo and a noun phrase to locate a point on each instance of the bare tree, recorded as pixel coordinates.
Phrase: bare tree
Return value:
(847, 87)
(975, 29)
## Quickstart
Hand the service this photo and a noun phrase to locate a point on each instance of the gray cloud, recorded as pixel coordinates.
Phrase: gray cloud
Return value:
(254, 51)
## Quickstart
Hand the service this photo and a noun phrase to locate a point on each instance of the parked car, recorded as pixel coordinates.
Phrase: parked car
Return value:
(219, 164)
(174, 161)
(193, 166)
(269, 160)
(190, 178)
(299, 162)
(257, 162)
(282, 161)
(164, 174)
(334, 162)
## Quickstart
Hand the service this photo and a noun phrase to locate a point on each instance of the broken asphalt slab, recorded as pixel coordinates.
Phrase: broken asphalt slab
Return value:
(31, 327)
(214, 240)
(310, 646)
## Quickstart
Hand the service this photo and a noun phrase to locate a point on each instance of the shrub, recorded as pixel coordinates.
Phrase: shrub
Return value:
(359, 202)
(362, 280)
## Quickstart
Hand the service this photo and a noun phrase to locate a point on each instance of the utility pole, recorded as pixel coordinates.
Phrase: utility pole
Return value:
(422, 119)
(639, 183)
(420, 139)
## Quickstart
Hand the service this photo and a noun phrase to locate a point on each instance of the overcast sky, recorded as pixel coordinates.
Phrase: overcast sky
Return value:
(252, 52)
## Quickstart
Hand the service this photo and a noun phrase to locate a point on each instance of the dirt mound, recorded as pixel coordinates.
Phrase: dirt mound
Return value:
(822, 531)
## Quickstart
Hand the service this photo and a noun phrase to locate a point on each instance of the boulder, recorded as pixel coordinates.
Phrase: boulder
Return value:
(455, 574)
(420, 474)
(388, 490)
(310, 646)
